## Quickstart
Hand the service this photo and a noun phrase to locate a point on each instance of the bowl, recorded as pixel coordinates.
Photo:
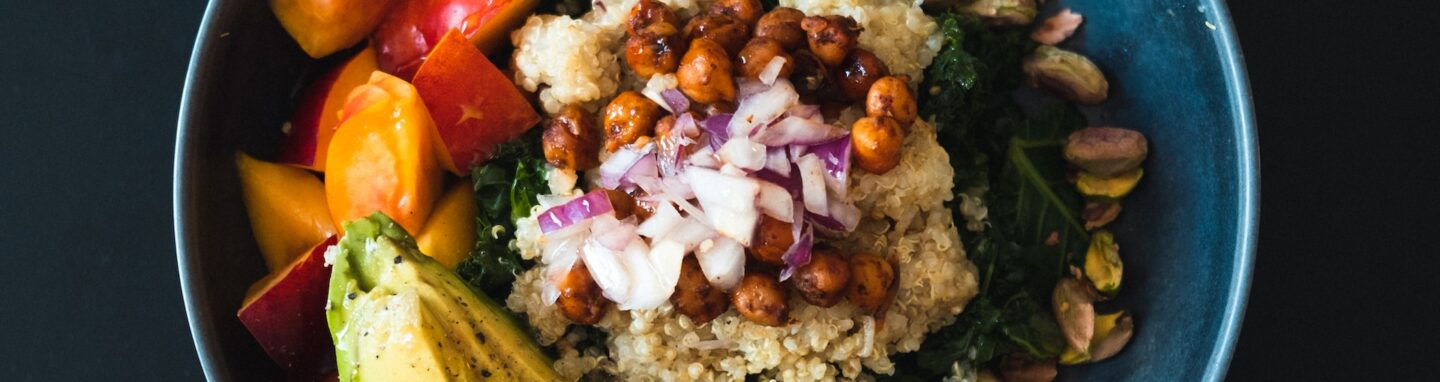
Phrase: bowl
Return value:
(1176, 74)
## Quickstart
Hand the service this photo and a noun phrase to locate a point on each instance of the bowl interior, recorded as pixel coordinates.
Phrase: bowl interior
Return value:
(1187, 232)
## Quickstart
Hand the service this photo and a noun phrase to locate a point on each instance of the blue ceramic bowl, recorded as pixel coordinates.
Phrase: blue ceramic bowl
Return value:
(1176, 74)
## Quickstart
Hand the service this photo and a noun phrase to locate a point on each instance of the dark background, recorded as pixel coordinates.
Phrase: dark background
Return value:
(1346, 94)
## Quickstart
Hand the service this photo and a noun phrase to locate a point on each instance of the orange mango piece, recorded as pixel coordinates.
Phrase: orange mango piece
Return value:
(449, 235)
(322, 27)
(382, 158)
(287, 209)
(474, 105)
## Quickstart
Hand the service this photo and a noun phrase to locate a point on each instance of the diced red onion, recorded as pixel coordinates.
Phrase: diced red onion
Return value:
(619, 163)
(612, 233)
(728, 200)
(810, 112)
(609, 272)
(795, 130)
(843, 217)
(717, 126)
(661, 222)
(690, 233)
(743, 153)
(676, 100)
(666, 256)
(645, 288)
(591, 205)
(776, 201)
(723, 263)
(762, 108)
(772, 70)
(835, 155)
(557, 245)
(777, 161)
(812, 184)
(554, 273)
(798, 255)
(704, 157)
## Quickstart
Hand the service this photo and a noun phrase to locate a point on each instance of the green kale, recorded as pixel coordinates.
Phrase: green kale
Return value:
(505, 190)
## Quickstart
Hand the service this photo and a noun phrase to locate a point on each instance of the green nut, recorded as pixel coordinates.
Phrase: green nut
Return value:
(1108, 188)
(1068, 74)
(1102, 262)
(1002, 12)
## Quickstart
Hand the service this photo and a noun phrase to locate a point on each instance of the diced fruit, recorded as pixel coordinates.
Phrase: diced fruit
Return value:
(323, 27)
(415, 27)
(286, 206)
(449, 234)
(475, 107)
(382, 157)
(318, 113)
(285, 312)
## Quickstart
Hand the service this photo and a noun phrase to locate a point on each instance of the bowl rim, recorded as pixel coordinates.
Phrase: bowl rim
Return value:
(1248, 188)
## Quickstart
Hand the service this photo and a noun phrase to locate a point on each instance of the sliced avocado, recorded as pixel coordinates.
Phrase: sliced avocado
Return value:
(397, 315)
(1108, 188)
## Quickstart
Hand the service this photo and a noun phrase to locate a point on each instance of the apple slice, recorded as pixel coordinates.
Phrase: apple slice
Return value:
(285, 312)
(383, 157)
(475, 107)
(322, 27)
(416, 26)
(318, 113)
(287, 208)
(449, 235)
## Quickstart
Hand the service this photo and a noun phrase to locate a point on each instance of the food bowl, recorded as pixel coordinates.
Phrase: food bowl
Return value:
(1176, 73)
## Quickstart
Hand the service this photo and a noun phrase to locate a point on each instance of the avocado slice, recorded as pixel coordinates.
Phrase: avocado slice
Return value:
(397, 315)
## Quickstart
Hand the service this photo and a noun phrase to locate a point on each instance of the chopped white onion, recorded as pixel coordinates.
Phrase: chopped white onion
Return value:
(744, 154)
(797, 131)
(690, 233)
(775, 201)
(558, 245)
(554, 273)
(619, 163)
(772, 70)
(645, 289)
(609, 272)
(728, 200)
(666, 255)
(776, 161)
(812, 184)
(703, 157)
(612, 233)
(723, 263)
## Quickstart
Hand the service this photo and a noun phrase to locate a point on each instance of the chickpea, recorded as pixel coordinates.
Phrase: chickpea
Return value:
(728, 31)
(782, 25)
(831, 37)
(649, 54)
(705, 73)
(872, 282)
(823, 281)
(621, 202)
(890, 96)
(627, 118)
(571, 141)
(695, 297)
(748, 11)
(762, 299)
(809, 75)
(772, 238)
(858, 72)
(581, 299)
(649, 12)
(757, 55)
(876, 142)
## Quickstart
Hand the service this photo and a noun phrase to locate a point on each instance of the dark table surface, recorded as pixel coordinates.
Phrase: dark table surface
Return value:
(1346, 93)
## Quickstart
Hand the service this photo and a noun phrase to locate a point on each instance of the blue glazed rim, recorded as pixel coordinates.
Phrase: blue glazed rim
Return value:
(1246, 141)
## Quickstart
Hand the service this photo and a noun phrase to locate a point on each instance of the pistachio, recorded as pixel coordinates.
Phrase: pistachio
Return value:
(1074, 308)
(1068, 74)
(1108, 188)
(1112, 333)
(1002, 12)
(1106, 151)
(1098, 213)
(1019, 367)
(1102, 262)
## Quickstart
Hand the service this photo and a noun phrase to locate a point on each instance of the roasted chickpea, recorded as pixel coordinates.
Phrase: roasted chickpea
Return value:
(876, 142)
(831, 37)
(762, 299)
(782, 25)
(824, 280)
(748, 11)
(581, 299)
(695, 297)
(705, 74)
(809, 75)
(649, 54)
(872, 282)
(627, 118)
(621, 202)
(757, 55)
(857, 72)
(890, 96)
(649, 12)
(772, 239)
(571, 141)
(728, 31)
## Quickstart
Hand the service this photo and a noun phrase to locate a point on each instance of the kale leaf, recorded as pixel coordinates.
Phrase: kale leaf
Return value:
(505, 190)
